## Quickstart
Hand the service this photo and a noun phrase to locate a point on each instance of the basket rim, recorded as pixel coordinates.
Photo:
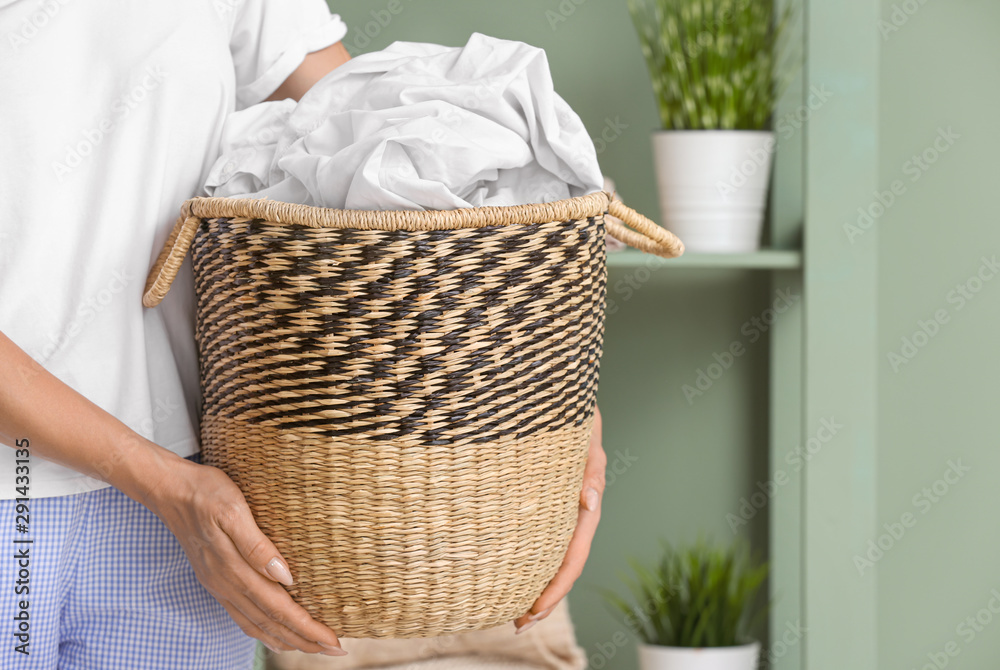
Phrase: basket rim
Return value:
(624, 224)
(276, 211)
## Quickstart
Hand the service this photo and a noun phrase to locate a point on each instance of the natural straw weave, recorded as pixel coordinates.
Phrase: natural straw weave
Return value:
(405, 398)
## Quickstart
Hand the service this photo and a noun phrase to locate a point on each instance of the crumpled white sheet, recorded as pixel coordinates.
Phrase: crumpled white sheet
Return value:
(415, 126)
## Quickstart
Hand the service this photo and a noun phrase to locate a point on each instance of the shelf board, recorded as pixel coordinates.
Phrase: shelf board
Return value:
(765, 259)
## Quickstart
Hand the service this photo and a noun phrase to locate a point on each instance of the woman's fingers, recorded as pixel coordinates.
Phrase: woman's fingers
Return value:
(250, 629)
(593, 475)
(270, 609)
(569, 571)
(279, 608)
(235, 561)
(282, 619)
(586, 526)
(292, 623)
(238, 523)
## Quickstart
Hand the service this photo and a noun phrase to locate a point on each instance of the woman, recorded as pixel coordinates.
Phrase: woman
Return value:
(128, 553)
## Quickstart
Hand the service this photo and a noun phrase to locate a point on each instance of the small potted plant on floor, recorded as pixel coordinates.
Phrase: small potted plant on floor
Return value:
(712, 64)
(696, 608)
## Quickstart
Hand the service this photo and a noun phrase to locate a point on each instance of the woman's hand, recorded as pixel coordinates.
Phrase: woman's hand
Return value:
(233, 559)
(579, 546)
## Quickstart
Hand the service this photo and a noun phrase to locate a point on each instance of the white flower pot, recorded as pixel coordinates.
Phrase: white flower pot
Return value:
(713, 186)
(745, 657)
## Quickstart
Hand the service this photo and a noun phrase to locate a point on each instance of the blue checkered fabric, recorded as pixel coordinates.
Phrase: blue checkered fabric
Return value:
(110, 588)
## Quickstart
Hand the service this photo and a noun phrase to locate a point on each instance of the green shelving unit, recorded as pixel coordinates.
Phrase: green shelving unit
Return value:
(764, 259)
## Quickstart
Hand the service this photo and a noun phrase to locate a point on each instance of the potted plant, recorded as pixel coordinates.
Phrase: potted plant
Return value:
(696, 608)
(712, 65)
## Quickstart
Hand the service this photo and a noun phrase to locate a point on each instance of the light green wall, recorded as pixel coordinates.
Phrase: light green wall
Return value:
(939, 70)
(692, 463)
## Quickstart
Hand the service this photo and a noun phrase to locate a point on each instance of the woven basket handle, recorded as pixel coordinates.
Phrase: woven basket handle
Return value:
(642, 233)
(164, 270)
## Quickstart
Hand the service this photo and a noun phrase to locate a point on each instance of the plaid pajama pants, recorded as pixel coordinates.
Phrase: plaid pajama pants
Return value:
(109, 588)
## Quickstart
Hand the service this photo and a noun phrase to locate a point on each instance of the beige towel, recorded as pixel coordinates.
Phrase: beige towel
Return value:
(549, 645)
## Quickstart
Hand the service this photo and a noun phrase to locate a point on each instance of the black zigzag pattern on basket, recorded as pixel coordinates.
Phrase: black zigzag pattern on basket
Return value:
(435, 336)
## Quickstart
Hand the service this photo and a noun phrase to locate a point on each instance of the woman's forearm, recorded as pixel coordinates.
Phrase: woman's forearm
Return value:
(314, 67)
(63, 426)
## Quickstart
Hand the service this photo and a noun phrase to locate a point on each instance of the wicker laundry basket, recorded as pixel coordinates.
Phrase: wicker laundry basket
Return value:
(405, 398)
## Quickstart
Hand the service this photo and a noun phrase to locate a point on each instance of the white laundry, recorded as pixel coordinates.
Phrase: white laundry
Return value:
(415, 126)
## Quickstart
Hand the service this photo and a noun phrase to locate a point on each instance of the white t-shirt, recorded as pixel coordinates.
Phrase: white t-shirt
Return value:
(111, 113)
